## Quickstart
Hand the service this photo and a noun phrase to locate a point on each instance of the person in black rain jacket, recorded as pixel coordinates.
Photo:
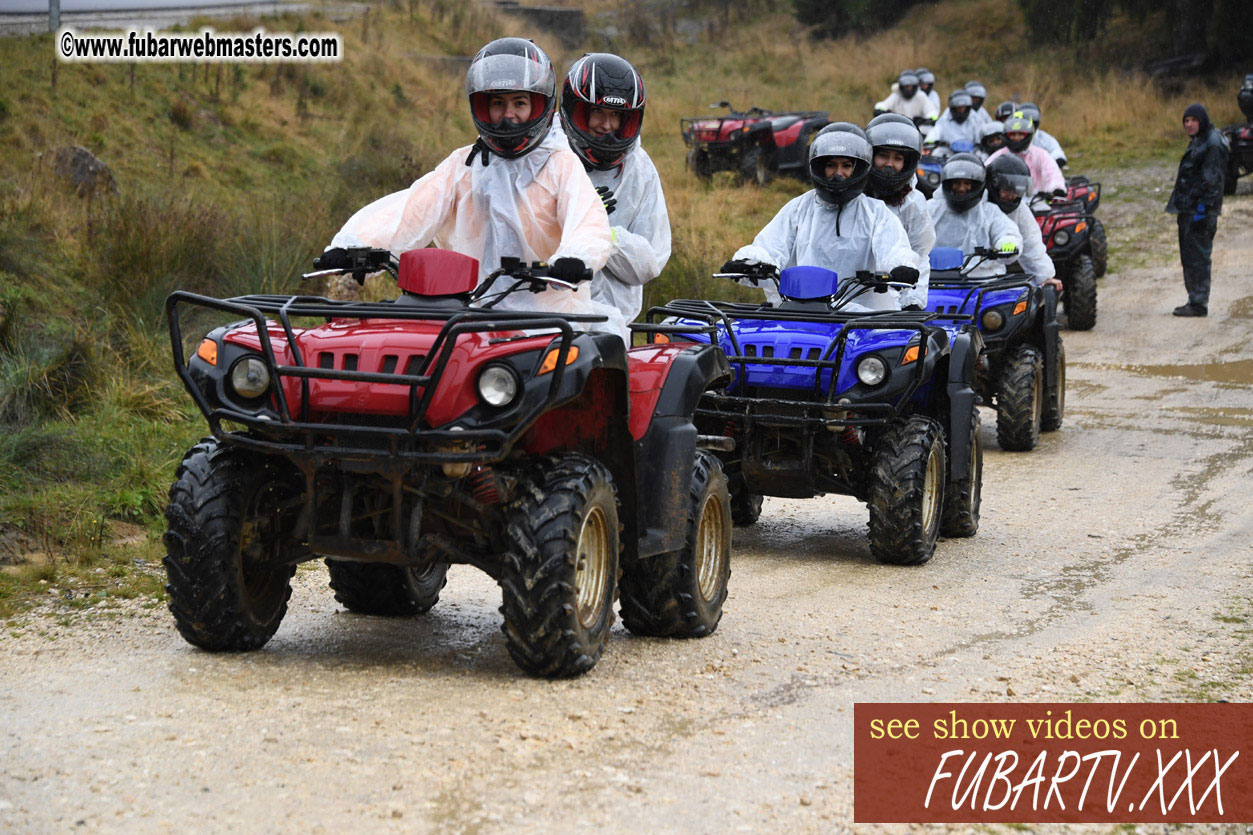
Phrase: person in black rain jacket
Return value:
(1197, 201)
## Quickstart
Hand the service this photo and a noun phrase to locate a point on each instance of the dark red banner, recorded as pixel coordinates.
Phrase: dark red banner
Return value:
(1053, 763)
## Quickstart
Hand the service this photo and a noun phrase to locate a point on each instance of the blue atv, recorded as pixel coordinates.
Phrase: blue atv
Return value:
(823, 399)
(1021, 368)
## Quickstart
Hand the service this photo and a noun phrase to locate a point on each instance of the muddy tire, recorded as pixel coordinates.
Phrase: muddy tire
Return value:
(1055, 399)
(376, 588)
(756, 166)
(962, 497)
(745, 508)
(698, 164)
(560, 576)
(1098, 246)
(1020, 399)
(908, 491)
(1080, 296)
(1231, 177)
(228, 546)
(680, 594)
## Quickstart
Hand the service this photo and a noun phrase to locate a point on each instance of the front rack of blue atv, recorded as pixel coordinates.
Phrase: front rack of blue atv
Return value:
(825, 409)
(300, 436)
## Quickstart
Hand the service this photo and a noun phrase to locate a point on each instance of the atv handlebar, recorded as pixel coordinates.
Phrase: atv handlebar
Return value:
(363, 260)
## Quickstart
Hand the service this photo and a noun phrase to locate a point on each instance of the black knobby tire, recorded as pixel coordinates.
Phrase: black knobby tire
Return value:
(1020, 399)
(1080, 296)
(1055, 399)
(698, 164)
(564, 528)
(1231, 177)
(756, 165)
(680, 594)
(224, 538)
(745, 508)
(1098, 246)
(962, 497)
(376, 588)
(908, 491)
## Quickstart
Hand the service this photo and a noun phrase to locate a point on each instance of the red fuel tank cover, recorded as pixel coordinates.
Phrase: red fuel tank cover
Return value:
(437, 272)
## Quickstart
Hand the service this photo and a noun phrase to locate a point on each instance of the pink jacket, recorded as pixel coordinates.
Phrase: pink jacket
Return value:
(1046, 177)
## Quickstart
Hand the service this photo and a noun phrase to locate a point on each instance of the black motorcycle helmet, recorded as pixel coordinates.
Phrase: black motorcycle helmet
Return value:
(1019, 124)
(511, 65)
(978, 94)
(991, 137)
(845, 127)
(963, 167)
(926, 79)
(839, 143)
(959, 105)
(1009, 173)
(1004, 110)
(907, 84)
(884, 118)
(893, 136)
(602, 80)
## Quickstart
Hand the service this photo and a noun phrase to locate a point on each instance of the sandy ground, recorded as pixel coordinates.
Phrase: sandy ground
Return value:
(1113, 564)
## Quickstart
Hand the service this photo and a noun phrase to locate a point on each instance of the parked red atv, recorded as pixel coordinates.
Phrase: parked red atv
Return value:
(757, 143)
(1239, 155)
(1082, 190)
(1067, 231)
(394, 438)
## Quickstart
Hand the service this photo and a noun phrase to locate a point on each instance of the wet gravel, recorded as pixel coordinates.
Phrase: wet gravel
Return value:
(1112, 564)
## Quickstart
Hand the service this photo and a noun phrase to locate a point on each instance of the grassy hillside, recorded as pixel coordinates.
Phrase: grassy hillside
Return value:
(231, 177)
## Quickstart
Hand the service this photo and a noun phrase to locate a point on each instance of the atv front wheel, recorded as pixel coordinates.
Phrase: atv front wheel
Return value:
(756, 165)
(377, 588)
(1080, 296)
(745, 508)
(698, 164)
(962, 496)
(560, 576)
(1098, 245)
(1055, 399)
(1231, 177)
(680, 594)
(1020, 399)
(908, 491)
(229, 547)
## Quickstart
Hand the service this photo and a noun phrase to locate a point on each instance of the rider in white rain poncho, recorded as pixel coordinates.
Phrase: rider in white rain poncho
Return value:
(517, 191)
(978, 95)
(926, 83)
(835, 226)
(1008, 181)
(991, 140)
(955, 123)
(963, 219)
(602, 112)
(907, 99)
(897, 147)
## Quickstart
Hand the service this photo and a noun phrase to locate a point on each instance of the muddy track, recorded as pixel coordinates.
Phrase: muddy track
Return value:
(1112, 564)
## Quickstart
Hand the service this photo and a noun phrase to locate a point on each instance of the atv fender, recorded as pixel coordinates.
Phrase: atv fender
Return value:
(665, 454)
(961, 399)
(1052, 328)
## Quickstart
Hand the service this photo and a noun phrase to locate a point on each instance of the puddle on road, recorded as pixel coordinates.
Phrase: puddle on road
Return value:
(1242, 308)
(1238, 373)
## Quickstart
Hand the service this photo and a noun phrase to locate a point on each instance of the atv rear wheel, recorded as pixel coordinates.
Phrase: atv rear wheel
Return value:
(698, 164)
(376, 588)
(1098, 245)
(745, 508)
(962, 497)
(560, 576)
(1055, 399)
(230, 554)
(756, 166)
(680, 594)
(907, 493)
(1080, 296)
(1020, 399)
(1231, 177)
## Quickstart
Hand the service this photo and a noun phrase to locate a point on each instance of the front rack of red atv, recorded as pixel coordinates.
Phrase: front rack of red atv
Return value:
(299, 436)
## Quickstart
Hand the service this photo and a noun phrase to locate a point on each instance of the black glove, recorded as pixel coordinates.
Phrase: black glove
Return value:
(572, 270)
(911, 307)
(1059, 192)
(606, 196)
(335, 258)
(734, 266)
(904, 275)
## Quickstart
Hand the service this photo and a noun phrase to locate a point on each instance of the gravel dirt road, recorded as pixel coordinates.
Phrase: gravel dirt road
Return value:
(1112, 564)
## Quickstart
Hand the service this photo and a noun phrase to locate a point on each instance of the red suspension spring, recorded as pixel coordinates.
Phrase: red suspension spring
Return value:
(851, 436)
(483, 485)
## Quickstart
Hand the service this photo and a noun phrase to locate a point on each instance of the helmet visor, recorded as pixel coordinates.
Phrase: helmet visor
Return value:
(513, 73)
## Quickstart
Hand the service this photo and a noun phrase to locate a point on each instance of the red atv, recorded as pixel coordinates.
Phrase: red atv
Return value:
(1082, 190)
(1067, 231)
(1239, 155)
(394, 438)
(757, 143)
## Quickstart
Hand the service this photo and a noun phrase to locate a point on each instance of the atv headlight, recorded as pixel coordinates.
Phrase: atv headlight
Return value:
(249, 377)
(1061, 238)
(993, 320)
(498, 385)
(872, 370)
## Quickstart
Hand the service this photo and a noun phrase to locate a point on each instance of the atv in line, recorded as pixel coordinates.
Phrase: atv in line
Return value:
(879, 406)
(395, 438)
(1021, 368)
(1067, 230)
(757, 144)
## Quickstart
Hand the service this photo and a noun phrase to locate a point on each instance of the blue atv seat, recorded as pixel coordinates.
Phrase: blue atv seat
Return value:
(806, 282)
(946, 258)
